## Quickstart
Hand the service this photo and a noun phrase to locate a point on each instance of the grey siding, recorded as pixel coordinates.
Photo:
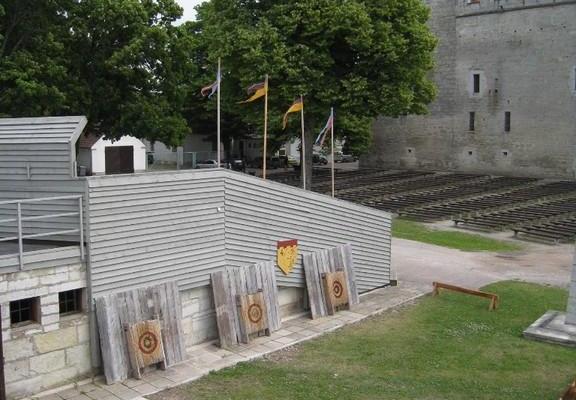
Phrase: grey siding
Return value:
(184, 225)
(259, 213)
(39, 148)
(18, 190)
(37, 158)
(150, 228)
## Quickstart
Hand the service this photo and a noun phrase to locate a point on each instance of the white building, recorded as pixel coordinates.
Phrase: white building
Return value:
(105, 157)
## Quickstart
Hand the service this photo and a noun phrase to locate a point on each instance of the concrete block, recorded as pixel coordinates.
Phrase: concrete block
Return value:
(63, 287)
(48, 362)
(79, 357)
(51, 327)
(50, 309)
(23, 284)
(56, 340)
(54, 278)
(49, 299)
(59, 377)
(24, 388)
(17, 349)
(83, 333)
(50, 319)
(16, 370)
(190, 308)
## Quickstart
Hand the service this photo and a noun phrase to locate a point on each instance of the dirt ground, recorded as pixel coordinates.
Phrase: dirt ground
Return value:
(536, 263)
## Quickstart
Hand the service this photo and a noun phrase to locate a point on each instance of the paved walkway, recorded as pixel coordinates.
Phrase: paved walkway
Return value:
(209, 357)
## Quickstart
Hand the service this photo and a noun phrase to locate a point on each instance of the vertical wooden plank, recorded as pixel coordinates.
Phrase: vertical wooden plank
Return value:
(273, 285)
(268, 275)
(176, 304)
(111, 334)
(226, 323)
(236, 289)
(346, 252)
(313, 284)
(2, 381)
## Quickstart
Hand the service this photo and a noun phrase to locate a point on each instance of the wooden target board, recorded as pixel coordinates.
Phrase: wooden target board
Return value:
(145, 344)
(335, 291)
(253, 315)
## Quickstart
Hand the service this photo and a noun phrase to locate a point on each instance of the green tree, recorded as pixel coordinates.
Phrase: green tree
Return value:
(364, 57)
(122, 63)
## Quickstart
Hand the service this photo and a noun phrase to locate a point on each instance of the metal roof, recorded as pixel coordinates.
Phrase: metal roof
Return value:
(41, 130)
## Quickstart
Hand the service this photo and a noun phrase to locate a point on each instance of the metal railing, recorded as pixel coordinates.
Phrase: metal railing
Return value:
(20, 237)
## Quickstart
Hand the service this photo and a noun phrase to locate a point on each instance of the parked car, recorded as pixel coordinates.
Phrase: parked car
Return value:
(348, 158)
(293, 161)
(235, 164)
(319, 159)
(207, 164)
(271, 162)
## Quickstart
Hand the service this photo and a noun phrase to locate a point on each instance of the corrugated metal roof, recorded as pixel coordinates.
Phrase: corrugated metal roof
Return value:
(41, 130)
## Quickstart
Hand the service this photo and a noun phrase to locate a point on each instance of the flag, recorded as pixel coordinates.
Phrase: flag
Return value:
(298, 105)
(322, 136)
(213, 88)
(256, 91)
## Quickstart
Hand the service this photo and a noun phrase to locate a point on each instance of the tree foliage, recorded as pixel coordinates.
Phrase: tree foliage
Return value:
(127, 67)
(364, 57)
(121, 63)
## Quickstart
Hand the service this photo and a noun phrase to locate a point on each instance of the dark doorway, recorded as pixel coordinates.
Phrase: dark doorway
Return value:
(119, 160)
(2, 384)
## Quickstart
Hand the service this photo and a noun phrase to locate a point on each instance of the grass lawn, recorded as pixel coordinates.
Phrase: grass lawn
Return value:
(446, 347)
(456, 240)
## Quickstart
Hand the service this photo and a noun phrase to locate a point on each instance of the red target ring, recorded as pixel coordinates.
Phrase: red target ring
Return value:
(337, 289)
(148, 342)
(254, 313)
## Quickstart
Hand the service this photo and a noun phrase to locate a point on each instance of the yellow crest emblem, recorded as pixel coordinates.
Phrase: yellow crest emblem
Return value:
(287, 254)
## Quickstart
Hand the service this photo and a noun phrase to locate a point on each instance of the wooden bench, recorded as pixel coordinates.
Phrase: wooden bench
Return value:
(494, 299)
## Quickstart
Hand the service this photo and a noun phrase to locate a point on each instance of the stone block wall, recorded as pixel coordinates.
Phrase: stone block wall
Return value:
(525, 56)
(199, 316)
(54, 351)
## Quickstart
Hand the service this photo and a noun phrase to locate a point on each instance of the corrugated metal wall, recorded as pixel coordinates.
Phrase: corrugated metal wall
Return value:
(259, 213)
(37, 160)
(149, 228)
(18, 190)
(39, 148)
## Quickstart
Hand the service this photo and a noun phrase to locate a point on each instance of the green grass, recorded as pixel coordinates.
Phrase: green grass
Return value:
(455, 240)
(448, 347)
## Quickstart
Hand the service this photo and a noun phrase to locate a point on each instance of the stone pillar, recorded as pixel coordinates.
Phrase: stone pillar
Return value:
(571, 314)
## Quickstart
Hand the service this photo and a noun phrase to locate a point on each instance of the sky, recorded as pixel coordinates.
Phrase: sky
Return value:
(188, 5)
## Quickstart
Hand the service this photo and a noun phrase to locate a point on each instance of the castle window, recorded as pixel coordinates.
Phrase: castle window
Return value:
(25, 311)
(476, 78)
(70, 301)
(507, 121)
(472, 121)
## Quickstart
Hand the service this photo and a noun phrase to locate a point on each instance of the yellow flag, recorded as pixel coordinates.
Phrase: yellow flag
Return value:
(297, 106)
(257, 90)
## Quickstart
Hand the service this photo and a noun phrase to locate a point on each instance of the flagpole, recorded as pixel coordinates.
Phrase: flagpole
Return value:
(332, 148)
(218, 114)
(265, 127)
(303, 146)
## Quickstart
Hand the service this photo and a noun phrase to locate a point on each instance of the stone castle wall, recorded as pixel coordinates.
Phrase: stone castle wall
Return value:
(525, 55)
(54, 351)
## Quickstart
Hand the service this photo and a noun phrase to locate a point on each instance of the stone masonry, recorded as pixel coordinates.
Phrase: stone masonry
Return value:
(39, 356)
(523, 53)
(571, 312)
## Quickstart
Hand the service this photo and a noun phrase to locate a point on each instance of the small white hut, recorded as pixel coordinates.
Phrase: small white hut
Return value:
(99, 156)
